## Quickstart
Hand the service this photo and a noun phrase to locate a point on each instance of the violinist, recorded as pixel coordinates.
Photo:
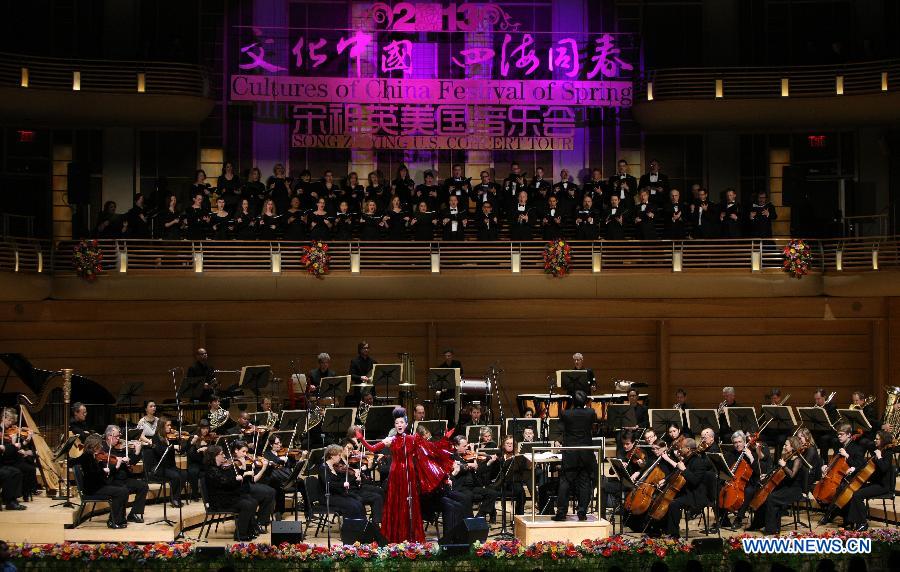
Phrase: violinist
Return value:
(466, 479)
(507, 475)
(164, 446)
(97, 480)
(278, 472)
(693, 493)
(368, 463)
(19, 451)
(674, 437)
(852, 452)
(880, 483)
(253, 470)
(741, 453)
(118, 458)
(336, 487)
(635, 460)
(10, 476)
(368, 494)
(199, 443)
(786, 493)
(710, 474)
(225, 489)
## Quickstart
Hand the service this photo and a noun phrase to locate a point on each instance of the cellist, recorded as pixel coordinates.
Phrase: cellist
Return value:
(693, 494)
(881, 482)
(741, 453)
(852, 452)
(635, 460)
(787, 492)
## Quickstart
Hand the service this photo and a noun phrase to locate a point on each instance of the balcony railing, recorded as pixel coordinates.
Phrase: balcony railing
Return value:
(769, 82)
(709, 256)
(107, 76)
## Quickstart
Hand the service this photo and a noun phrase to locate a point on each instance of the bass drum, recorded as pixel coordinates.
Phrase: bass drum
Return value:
(474, 387)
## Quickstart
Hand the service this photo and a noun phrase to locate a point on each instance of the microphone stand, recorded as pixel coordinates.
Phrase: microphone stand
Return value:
(165, 518)
(179, 534)
(327, 469)
(408, 484)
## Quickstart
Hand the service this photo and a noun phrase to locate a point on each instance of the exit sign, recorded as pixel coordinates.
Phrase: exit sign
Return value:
(817, 141)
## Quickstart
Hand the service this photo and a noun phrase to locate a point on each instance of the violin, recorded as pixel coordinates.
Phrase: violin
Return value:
(109, 457)
(15, 432)
(470, 456)
(292, 453)
(208, 439)
(174, 435)
(636, 455)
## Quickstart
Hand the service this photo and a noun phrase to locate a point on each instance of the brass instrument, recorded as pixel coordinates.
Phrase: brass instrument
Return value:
(271, 421)
(407, 380)
(721, 408)
(218, 418)
(892, 413)
(868, 401)
(363, 411)
(827, 401)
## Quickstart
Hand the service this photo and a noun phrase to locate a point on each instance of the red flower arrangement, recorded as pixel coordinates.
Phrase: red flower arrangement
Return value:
(797, 256)
(316, 258)
(87, 258)
(557, 256)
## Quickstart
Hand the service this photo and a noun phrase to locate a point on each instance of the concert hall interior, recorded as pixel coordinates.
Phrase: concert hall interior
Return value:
(424, 276)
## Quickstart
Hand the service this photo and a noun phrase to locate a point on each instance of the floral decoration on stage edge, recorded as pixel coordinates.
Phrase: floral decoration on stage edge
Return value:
(87, 259)
(797, 256)
(316, 258)
(557, 256)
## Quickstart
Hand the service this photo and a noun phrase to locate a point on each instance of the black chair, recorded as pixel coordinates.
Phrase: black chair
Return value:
(805, 502)
(86, 499)
(315, 504)
(148, 456)
(884, 500)
(211, 515)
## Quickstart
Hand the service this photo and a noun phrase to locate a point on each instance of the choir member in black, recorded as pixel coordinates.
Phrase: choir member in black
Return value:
(226, 491)
(168, 222)
(786, 493)
(514, 184)
(520, 223)
(622, 183)
(378, 191)
(675, 216)
(704, 217)
(761, 216)
(19, 452)
(466, 478)
(162, 453)
(245, 221)
(369, 494)
(692, 494)
(202, 186)
(138, 221)
(730, 216)
(657, 182)
(551, 220)
(540, 188)
(360, 369)
(453, 220)
(343, 221)
(614, 219)
(254, 190)
(253, 470)
(305, 189)
(880, 483)
(567, 195)
(487, 191)
(202, 369)
(295, 221)
(336, 487)
(847, 447)
(825, 440)
(403, 185)
(97, 480)
(200, 441)
(196, 219)
(635, 463)
(278, 188)
(327, 189)
(488, 222)
(354, 192)
(587, 220)
(110, 224)
(758, 465)
(397, 219)
(645, 217)
(428, 192)
(578, 466)
(120, 473)
(78, 423)
(727, 401)
(221, 223)
(858, 401)
(371, 224)
(230, 187)
(596, 189)
(423, 223)
(320, 222)
(641, 416)
(459, 186)
(269, 221)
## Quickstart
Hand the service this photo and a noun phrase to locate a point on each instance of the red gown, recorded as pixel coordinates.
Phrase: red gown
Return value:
(429, 464)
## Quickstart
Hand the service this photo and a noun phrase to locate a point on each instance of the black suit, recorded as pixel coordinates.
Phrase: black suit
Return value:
(447, 220)
(578, 467)
(359, 366)
(615, 186)
(675, 220)
(660, 186)
(520, 229)
(488, 226)
(760, 225)
(314, 377)
(645, 221)
(693, 494)
(704, 219)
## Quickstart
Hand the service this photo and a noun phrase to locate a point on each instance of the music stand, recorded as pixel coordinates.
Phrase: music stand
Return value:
(384, 375)
(573, 380)
(437, 428)
(336, 388)
(379, 421)
(719, 463)
(554, 431)
(442, 382)
(313, 461)
(338, 420)
(294, 418)
(128, 394)
(815, 419)
(192, 388)
(525, 448)
(258, 416)
(256, 377)
(856, 418)
(621, 471)
(782, 417)
(700, 419)
(743, 419)
(516, 425)
(661, 419)
(620, 415)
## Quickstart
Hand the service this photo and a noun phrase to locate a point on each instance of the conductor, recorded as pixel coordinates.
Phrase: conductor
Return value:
(577, 466)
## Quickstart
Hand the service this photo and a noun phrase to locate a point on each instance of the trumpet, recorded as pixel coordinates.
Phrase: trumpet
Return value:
(676, 406)
(722, 405)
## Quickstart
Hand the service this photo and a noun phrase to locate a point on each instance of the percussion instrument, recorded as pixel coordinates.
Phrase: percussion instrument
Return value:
(474, 386)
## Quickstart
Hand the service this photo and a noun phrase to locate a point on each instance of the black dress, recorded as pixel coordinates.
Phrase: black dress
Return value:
(197, 223)
(343, 226)
(318, 230)
(279, 191)
(397, 225)
(269, 226)
(171, 233)
(369, 227)
(423, 229)
(245, 225)
(138, 225)
(255, 192)
(294, 226)
(222, 226)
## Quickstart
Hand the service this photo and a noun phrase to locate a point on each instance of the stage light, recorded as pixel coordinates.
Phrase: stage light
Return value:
(840, 85)
(76, 81)
(719, 89)
(435, 262)
(16, 263)
(755, 260)
(596, 262)
(649, 91)
(276, 263)
(24, 81)
(883, 81)
(515, 261)
(354, 262)
(785, 87)
(839, 260)
(198, 262)
(875, 258)
(677, 257)
(142, 82)
(40, 267)
(122, 262)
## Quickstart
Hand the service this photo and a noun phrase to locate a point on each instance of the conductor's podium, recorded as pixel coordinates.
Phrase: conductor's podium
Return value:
(539, 528)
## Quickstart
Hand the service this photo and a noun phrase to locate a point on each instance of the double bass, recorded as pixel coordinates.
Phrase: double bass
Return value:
(832, 480)
(674, 483)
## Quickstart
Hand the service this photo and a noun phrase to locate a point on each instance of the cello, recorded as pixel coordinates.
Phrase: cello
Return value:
(827, 488)
(638, 500)
(858, 480)
(773, 480)
(731, 496)
(674, 483)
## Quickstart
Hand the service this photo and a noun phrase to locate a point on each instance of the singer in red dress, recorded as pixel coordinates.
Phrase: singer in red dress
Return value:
(427, 465)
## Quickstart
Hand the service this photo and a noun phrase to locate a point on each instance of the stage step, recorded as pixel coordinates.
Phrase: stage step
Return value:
(542, 528)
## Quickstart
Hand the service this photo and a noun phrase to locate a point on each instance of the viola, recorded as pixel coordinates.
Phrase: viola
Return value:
(674, 483)
(109, 457)
(833, 478)
(14, 431)
(174, 435)
(470, 456)
(636, 455)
